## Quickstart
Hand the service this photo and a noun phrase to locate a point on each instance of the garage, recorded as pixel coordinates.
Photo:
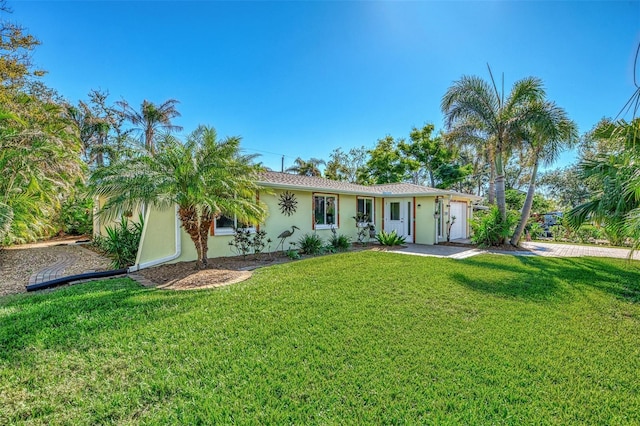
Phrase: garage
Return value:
(458, 210)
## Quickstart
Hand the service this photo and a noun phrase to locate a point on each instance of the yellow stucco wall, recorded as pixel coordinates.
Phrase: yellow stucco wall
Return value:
(158, 239)
(100, 222)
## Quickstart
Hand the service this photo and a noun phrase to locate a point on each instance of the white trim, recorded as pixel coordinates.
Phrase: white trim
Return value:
(336, 210)
(229, 230)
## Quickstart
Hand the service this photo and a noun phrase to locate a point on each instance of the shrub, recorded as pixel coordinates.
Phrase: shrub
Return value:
(389, 239)
(536, 230)
(241, 242)
(310, 244)
(258, 242)
(76, 216)
(490, 230)
(293, 254)
(589, 233)
(121, 242)
(245, 241)
(340, 242)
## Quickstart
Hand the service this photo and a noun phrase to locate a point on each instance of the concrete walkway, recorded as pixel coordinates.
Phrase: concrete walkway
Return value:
(532, 249)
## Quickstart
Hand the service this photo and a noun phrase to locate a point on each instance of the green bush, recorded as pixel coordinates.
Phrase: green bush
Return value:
(121, 242)
(536, 230)
(389, 239)
(589, 233)
(490, 230)
(340, 242)
(293, 254)
(310, 244)
(76, 216)
(246, 241)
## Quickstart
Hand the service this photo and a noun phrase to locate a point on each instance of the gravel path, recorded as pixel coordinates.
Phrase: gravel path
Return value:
(19, 263)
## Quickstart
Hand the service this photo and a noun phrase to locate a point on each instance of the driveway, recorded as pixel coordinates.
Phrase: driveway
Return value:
(530, 249)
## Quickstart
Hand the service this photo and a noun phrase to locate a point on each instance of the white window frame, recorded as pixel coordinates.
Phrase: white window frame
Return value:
(228, 230)
(372, 214)
(337, 214)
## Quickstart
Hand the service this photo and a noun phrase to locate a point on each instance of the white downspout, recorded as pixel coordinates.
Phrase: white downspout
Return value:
(150, 263)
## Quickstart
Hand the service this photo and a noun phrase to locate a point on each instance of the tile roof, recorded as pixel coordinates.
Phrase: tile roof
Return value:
(312, 183)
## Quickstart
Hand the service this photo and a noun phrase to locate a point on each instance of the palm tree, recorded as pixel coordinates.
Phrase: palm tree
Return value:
(550, 132)
(151, 118)
(306, 168)
(205, 177)
(471, 100)
(617, 204)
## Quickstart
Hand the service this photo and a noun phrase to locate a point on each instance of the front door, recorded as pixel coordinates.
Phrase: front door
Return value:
(398, 217)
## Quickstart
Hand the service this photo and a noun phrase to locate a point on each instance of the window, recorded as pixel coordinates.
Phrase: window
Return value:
(394, 210)
(325, 211)
(365, 211)
(224, 225)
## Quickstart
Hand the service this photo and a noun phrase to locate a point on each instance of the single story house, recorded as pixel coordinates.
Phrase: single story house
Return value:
(314, 204)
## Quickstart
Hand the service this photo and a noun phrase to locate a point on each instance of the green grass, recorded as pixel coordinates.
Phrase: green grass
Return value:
(355, 338)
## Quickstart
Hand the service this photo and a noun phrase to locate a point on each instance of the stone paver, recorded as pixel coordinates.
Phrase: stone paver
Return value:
(570, 250)
(52, 272)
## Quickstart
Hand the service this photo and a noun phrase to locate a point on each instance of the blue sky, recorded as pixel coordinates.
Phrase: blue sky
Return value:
(304, 78)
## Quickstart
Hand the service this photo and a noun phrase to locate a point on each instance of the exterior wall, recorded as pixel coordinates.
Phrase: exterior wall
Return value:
(100, 223)
(276, 223)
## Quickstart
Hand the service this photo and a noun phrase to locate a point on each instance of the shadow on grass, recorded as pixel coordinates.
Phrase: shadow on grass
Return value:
(76, 317)
(549, 279)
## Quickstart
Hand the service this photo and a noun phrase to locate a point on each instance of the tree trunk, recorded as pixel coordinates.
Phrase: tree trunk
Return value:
(492, 182)
(431, 179)
(500, 187)
(148, 140)
(526, 209)
(500, 191)
(189, 219)
(205, 223)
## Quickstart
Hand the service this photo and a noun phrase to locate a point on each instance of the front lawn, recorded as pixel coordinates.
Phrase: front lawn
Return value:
(356, 338)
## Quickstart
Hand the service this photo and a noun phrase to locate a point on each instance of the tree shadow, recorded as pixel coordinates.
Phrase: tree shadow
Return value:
(76, 317)
(547, 279)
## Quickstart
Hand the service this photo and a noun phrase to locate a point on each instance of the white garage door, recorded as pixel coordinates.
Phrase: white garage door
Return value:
(459, 228)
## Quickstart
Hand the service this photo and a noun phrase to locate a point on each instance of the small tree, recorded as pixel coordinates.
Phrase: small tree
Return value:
(205, 177)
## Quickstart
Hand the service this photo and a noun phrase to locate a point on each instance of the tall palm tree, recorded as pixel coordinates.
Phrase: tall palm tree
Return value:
(205, 177)
(500, 121)
(550, 132)
(307, 168)
(151, 118)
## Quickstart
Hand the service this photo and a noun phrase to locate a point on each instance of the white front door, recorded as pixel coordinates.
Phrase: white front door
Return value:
(398, 217)
(459, 226)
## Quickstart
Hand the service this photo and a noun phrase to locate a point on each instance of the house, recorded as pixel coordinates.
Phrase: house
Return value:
(313, 204)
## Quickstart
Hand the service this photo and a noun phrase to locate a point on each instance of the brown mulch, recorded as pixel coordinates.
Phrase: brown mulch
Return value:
(221, 271)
